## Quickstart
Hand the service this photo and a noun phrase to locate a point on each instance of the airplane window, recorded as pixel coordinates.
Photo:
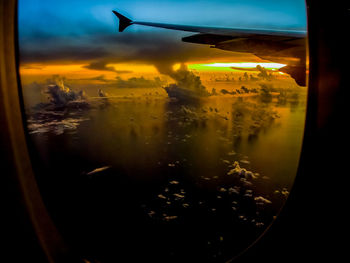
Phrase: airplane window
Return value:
(163, 130)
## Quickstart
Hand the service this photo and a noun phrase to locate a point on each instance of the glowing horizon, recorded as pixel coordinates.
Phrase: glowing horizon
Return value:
(237, 65)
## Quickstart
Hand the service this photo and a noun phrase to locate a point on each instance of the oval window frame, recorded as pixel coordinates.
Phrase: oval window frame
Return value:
(320, 123)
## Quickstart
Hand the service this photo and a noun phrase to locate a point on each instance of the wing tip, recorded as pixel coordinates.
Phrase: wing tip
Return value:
(124, 22)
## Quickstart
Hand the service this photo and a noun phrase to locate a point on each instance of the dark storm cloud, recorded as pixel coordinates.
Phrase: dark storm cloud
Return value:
(43, 47)
(56, 54)
(154, 48)
(102, 65)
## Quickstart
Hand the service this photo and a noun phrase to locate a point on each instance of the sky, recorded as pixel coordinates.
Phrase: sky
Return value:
(80, 37)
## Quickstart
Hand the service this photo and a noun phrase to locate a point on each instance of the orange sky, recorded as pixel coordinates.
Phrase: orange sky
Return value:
(78, 71)
(41, 71)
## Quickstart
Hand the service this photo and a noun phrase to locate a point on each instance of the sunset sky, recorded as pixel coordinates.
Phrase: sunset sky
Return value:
(79, 39)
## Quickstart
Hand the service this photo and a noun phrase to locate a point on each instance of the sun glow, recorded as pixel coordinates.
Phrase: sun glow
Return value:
(237, 65)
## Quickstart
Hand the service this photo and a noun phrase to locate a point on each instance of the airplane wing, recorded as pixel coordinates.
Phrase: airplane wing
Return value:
(282, 46)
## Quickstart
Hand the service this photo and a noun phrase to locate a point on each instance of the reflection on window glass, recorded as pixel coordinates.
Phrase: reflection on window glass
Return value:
(163, 143)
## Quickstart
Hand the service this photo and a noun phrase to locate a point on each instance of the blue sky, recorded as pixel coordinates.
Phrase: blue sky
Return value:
(79, 17)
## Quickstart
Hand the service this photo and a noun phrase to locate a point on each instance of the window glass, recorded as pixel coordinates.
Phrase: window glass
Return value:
(163, 144)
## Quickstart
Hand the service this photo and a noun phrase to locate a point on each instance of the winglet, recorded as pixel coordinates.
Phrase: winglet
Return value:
(124, 22)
